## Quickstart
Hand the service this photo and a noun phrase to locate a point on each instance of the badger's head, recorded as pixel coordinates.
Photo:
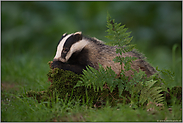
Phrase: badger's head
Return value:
(69, 44)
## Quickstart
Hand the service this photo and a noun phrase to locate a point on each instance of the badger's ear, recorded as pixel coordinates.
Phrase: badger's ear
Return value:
(64, 34)
(78, 36)
(78, 33)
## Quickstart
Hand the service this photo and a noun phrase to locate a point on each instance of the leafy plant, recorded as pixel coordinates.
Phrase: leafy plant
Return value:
(151, 93)
(141, 89)
(120, 37)
(97, 79)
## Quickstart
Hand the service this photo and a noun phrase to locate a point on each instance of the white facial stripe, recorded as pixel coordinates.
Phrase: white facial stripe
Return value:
(78, 46)
(60, 47)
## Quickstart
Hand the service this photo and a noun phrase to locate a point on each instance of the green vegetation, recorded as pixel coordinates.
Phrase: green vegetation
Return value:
(31, 91)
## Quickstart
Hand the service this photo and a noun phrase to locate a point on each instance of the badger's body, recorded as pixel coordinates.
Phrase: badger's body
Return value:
(75, 52)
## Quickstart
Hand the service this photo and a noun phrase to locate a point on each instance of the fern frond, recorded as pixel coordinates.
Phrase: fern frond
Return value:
(151, 93)
(97, 78)
(150, 83)
(117, 32)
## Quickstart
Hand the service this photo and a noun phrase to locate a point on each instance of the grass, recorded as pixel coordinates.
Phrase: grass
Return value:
(29, 110)
(24, 72)
(20, 74)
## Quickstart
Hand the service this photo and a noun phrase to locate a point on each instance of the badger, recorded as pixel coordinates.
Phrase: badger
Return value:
(75, 52)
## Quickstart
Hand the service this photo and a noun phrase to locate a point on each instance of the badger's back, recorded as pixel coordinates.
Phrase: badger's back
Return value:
(97, 52)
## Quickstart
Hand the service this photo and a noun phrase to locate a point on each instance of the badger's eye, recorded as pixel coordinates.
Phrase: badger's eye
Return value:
(65, 50)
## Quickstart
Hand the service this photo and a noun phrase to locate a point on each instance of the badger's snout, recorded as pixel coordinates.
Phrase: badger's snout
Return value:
(55, 60)
(60, 59)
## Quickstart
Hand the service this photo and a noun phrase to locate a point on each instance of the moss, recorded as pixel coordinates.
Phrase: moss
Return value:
(62, 81)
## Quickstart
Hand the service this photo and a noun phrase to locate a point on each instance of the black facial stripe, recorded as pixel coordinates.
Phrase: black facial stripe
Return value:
(62, 38)
(67, 46)
(71, 40)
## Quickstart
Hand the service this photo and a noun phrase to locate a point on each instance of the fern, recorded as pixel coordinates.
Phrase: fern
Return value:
(148, 92)
(141, 88)
(168, 77)
(118, 35)
(97, 78)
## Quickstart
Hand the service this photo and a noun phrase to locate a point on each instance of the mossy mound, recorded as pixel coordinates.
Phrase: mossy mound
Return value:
(64, 82)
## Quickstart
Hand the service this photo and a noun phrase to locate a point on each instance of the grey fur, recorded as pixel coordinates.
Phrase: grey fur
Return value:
(104, 54)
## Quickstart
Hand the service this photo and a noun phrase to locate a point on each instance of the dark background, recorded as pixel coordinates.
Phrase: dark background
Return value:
(33, 29)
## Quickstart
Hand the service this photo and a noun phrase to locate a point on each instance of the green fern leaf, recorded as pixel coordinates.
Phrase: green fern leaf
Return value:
(151, 93)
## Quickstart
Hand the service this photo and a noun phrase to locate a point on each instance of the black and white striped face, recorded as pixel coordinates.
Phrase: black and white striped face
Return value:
(69, 44)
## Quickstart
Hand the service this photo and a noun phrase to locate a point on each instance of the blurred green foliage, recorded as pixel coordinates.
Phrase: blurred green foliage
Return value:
(33, 29)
